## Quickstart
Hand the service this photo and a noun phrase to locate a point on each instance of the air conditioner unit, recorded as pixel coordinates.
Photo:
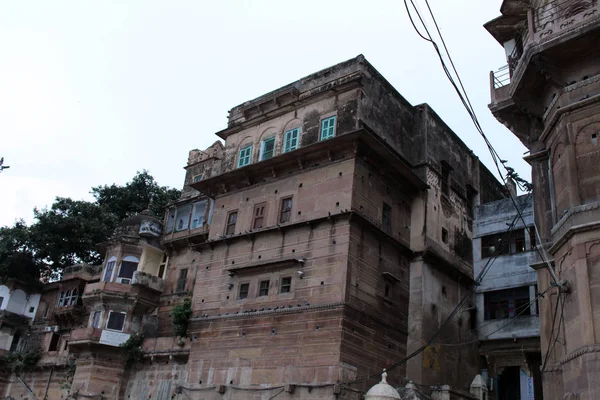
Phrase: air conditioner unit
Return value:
(53, 328)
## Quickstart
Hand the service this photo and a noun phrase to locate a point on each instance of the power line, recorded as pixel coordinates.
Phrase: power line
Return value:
(483, 272)
(495, 157)
(512, 319)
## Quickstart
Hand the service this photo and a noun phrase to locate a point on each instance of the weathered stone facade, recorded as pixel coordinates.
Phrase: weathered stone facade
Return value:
(549, 99)
(327, 237)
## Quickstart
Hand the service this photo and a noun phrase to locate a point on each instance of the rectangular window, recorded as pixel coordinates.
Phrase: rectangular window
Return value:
(244, 289)
(54, 342)
(245, 156)
(231, 221)
(197, 178)
(286, 210)
(519, 241)
(163, 266)
(494, 245)
(72, 299)
(108, 271)
(291, 140)
(127, 269)
(182, 279)
(328, 128)
(507, 303)
(96, 319)
(532, 237)
(386, 217)
(183, 217)
(268, 149)
(264, 288)
(116, 321)
(61, 299)
(170, 221)
(286, 285)
(503, 243)
(198, 214)
(258, 216)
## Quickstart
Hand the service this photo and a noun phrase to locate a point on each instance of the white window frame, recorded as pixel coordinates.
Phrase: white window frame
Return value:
(94, 313)
(128, 259)
(287, 139)
(112, 273)
(108, 319)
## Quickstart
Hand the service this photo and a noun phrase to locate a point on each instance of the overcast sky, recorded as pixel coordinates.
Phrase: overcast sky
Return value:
(93, 91)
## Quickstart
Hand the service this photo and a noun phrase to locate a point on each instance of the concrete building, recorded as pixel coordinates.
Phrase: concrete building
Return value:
(548, 97)
(328, 236)
(507, 315)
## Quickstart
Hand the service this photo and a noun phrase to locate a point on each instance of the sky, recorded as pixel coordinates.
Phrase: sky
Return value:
(93, 91)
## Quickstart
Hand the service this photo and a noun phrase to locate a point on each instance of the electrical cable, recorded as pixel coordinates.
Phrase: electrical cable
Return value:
(551, 343)
(495, 157)
(485, 269)
(511, 320)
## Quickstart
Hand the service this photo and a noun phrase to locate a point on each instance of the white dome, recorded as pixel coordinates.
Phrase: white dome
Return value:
(382, 391)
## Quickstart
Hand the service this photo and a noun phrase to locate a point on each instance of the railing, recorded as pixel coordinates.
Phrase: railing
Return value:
(501, 77)
(558, 15)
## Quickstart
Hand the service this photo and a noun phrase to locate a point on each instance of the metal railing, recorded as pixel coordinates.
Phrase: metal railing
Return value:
(501, 77)
(561, 11)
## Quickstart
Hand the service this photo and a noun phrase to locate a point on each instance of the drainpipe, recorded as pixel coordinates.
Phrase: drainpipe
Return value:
(48, 383)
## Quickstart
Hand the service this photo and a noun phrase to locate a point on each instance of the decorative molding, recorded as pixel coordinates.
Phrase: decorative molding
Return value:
(593, 348)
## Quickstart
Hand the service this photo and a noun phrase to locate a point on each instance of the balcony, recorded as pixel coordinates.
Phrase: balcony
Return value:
(146, 280)
(81, 271)
(13, 319)
(144, 294)
(68, 315)
(86, 337)
(525, 326)
(191, 235)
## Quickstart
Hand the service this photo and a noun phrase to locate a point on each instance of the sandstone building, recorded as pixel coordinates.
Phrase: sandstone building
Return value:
(548, 97)
(327, 236)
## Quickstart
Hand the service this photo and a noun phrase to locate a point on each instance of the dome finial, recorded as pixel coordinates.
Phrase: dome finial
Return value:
(384, 376)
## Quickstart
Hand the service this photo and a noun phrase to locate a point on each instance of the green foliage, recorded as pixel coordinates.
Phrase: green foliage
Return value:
(68, 232)
(181, 317)
(133, 345)
(17, 261)
(141, 193)
(23, 361)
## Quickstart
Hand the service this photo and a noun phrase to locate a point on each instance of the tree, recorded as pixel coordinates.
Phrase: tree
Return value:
(141, 193)
(17, 260)
(68, 232)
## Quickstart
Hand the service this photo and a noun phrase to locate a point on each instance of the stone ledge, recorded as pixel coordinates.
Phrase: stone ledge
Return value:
(283, 310)
(593, 348)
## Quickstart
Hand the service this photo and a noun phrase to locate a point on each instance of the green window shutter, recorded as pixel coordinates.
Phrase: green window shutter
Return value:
(328, 128)
(245, 155)
(291, 140)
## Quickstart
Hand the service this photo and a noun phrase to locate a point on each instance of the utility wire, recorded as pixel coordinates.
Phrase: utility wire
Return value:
(552, 343)
(495, 157)
(511, 320)
(484, 271)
